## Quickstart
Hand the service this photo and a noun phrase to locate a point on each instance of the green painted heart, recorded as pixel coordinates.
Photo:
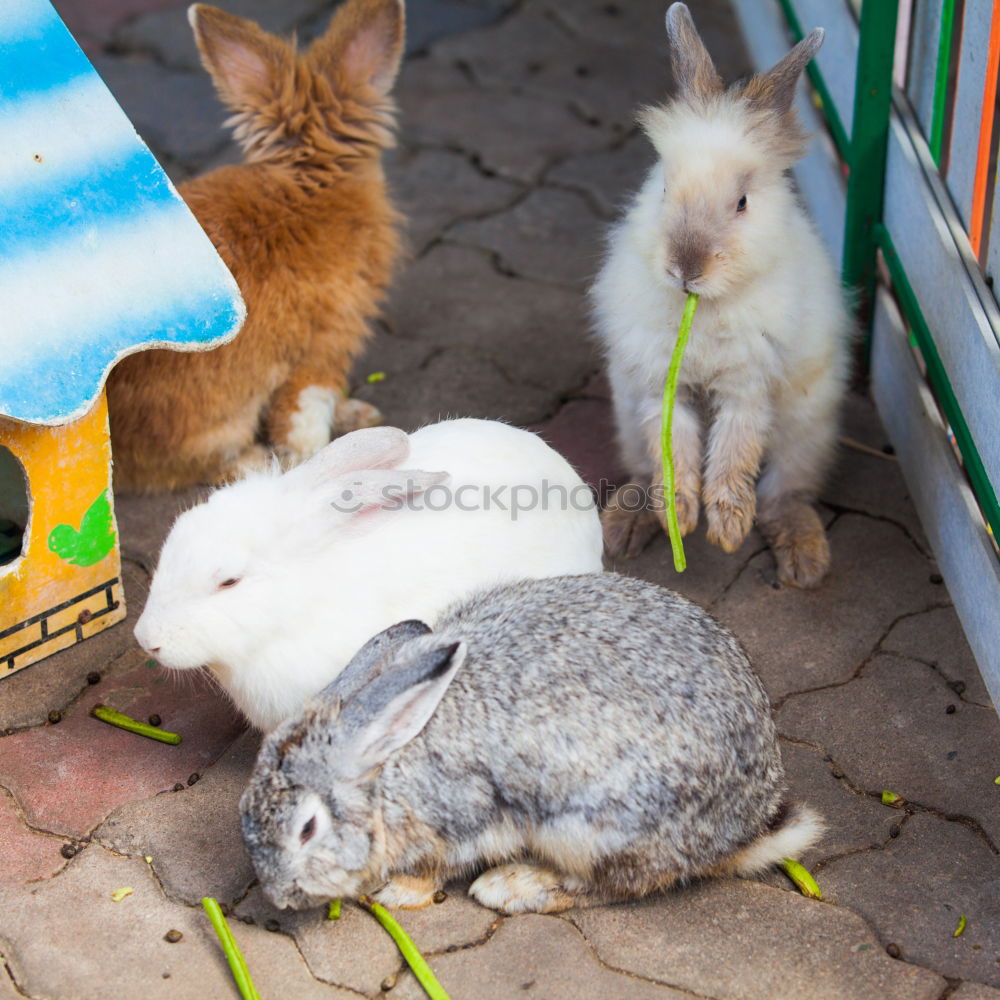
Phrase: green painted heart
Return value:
(94, 540)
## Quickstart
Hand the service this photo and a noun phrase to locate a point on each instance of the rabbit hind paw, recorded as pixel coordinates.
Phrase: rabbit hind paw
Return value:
(522, 888)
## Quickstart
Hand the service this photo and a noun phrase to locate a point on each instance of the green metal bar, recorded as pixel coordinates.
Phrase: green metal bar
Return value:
(940, 384)
(941, 79)
(869, 139)
(829, 109)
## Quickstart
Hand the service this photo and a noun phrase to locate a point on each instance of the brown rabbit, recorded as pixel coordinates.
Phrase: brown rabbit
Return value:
(307, 229)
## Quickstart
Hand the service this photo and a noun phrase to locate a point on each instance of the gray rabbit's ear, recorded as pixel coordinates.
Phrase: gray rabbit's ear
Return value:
(394, 708)
(775, 89)
(368, 448)
(693, 67)
(370, 660)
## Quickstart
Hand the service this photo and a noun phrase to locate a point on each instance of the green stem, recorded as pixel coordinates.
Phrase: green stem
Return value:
(333, 910)
(113, 718)
(233, 955)
(802, 878)
(414, 959)
(669, 396)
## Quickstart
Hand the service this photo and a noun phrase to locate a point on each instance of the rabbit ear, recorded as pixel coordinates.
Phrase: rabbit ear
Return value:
(241, 58)
(362, 494)
(369, 448)
(775, 89)
(395, 707)
(363, 45)
(693, 67)
(369, 661)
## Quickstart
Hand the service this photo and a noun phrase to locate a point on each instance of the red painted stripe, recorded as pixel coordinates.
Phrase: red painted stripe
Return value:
(985, 135)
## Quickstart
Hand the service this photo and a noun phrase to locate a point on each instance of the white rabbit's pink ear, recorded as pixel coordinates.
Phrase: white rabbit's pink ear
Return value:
(388, 713)
(368, 448)
(775, 89)
(242, 59)
(363, 45)
(387, 491)
(694, 70)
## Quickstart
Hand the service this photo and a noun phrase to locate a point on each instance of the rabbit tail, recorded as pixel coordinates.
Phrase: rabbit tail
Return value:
(792, 830)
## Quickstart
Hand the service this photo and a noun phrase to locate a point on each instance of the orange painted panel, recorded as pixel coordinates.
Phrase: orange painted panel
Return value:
(66, 584)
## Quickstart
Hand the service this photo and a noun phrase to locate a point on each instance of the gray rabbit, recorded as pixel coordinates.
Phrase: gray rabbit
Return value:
(594, 738)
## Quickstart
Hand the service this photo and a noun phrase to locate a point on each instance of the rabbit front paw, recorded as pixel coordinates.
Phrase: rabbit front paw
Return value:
(798, 540)
(521, 888)
(406, 892)
(730, 507)
(628, 523)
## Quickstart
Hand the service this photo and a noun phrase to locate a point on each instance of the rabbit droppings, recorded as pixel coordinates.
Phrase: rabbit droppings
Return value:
(768, 352)
(275, 581)
(307, 229)
(596, 738)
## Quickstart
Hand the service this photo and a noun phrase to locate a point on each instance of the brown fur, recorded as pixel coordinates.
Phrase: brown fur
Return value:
(308, 231)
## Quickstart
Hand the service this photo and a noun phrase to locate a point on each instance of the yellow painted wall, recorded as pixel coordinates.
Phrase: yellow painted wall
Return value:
(68, 469)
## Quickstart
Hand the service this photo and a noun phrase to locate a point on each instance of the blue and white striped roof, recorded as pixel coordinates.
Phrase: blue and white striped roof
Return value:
(99, 256)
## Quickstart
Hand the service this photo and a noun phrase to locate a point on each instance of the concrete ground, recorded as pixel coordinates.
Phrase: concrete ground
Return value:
(517, 146)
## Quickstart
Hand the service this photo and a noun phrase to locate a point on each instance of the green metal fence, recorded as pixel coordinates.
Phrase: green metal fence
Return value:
(901, 184)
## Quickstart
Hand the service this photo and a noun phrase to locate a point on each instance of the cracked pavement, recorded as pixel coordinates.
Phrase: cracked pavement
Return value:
(516, 148)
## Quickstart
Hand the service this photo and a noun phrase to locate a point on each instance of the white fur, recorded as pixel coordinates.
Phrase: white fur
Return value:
(800, 831)
(312, 421)
(315, 584)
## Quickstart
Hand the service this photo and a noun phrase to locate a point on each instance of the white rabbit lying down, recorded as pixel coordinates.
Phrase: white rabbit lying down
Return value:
(769, 345)
(275, 581)
(595, 737)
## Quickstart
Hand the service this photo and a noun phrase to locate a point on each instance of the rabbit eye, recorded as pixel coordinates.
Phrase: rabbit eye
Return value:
(741, 205)
(231, 582)
(307, 831)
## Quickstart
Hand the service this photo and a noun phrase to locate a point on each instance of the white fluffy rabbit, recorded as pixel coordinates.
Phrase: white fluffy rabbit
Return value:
(275, 581)
(768, 353)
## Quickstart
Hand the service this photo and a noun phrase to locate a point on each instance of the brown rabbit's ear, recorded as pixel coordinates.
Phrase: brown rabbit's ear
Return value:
(363, 45)
(241, 58)
(693, 67)
(775, 89)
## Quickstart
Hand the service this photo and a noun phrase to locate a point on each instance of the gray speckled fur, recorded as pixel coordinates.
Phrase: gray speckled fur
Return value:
(612, 728)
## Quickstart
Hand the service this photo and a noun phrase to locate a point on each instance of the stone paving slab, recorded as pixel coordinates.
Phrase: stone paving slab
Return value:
(434, 187)
(65, 777)
(534, 956)
(192, 834)
(533, 54)
(551, 232)
(870, 483)
(514, 135)
(975, 991)
(914, 890)
(855, 821)
(800, 640)
(535, 334)
(608, 177)
(25, 855)
(936, 638)
(890, 729)
(70, 939)
(735, 940)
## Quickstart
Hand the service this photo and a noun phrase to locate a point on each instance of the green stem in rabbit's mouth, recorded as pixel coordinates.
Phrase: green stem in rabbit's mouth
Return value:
(669, 396)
